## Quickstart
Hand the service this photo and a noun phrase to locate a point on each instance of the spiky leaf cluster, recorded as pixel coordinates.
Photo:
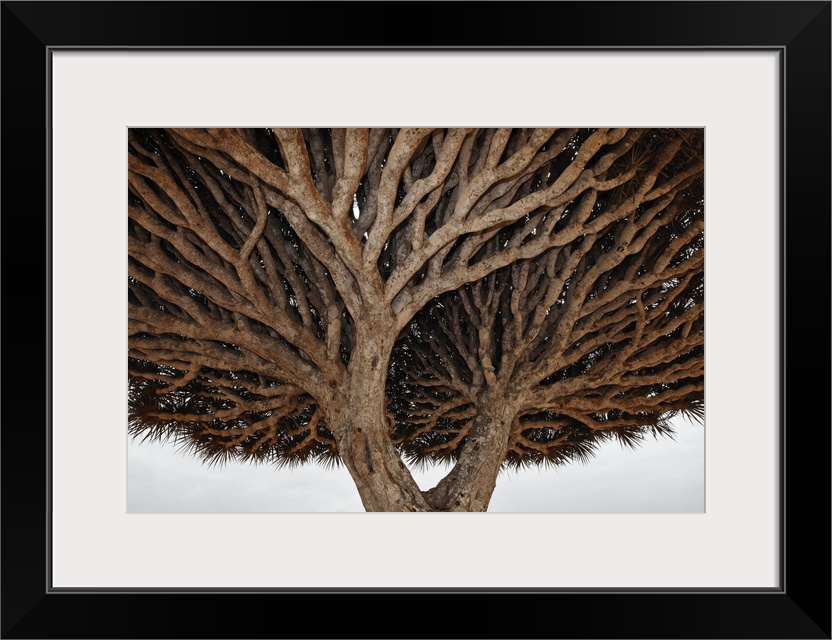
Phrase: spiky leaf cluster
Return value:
(223, 416)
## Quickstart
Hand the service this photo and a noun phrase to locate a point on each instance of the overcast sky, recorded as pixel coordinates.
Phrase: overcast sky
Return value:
(660, 476)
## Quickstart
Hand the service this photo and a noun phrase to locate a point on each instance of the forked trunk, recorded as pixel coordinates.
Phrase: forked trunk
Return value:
(359, 416)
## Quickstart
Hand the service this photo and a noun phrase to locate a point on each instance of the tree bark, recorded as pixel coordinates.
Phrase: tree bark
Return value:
(361, 430)
(384, 482)
(469, 485)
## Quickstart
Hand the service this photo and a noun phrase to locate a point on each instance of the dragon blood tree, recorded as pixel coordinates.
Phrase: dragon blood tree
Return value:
(488, 297)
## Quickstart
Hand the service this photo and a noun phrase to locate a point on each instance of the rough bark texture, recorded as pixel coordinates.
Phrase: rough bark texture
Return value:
(469, 485)
(521, 293)
(362, 433)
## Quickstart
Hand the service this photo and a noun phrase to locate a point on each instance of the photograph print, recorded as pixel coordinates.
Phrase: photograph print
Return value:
(441, 320)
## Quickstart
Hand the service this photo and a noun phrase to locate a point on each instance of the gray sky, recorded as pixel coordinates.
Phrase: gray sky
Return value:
(660, 476)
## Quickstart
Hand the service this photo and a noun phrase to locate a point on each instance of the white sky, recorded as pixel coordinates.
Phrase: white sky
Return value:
(660, 476)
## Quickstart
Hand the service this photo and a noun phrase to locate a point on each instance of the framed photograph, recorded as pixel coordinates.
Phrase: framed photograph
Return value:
(753, 76)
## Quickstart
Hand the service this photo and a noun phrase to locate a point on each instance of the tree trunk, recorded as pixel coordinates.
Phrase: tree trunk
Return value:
(359, 420)
(360, 426)
(469, 485)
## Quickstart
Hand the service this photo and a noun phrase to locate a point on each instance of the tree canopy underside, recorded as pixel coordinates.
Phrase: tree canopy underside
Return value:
(551, 279)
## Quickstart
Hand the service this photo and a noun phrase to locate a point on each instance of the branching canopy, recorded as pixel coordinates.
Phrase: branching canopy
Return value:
(271, 271)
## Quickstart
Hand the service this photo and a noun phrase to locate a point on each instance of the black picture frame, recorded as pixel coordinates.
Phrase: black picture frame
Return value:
(799, 608)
